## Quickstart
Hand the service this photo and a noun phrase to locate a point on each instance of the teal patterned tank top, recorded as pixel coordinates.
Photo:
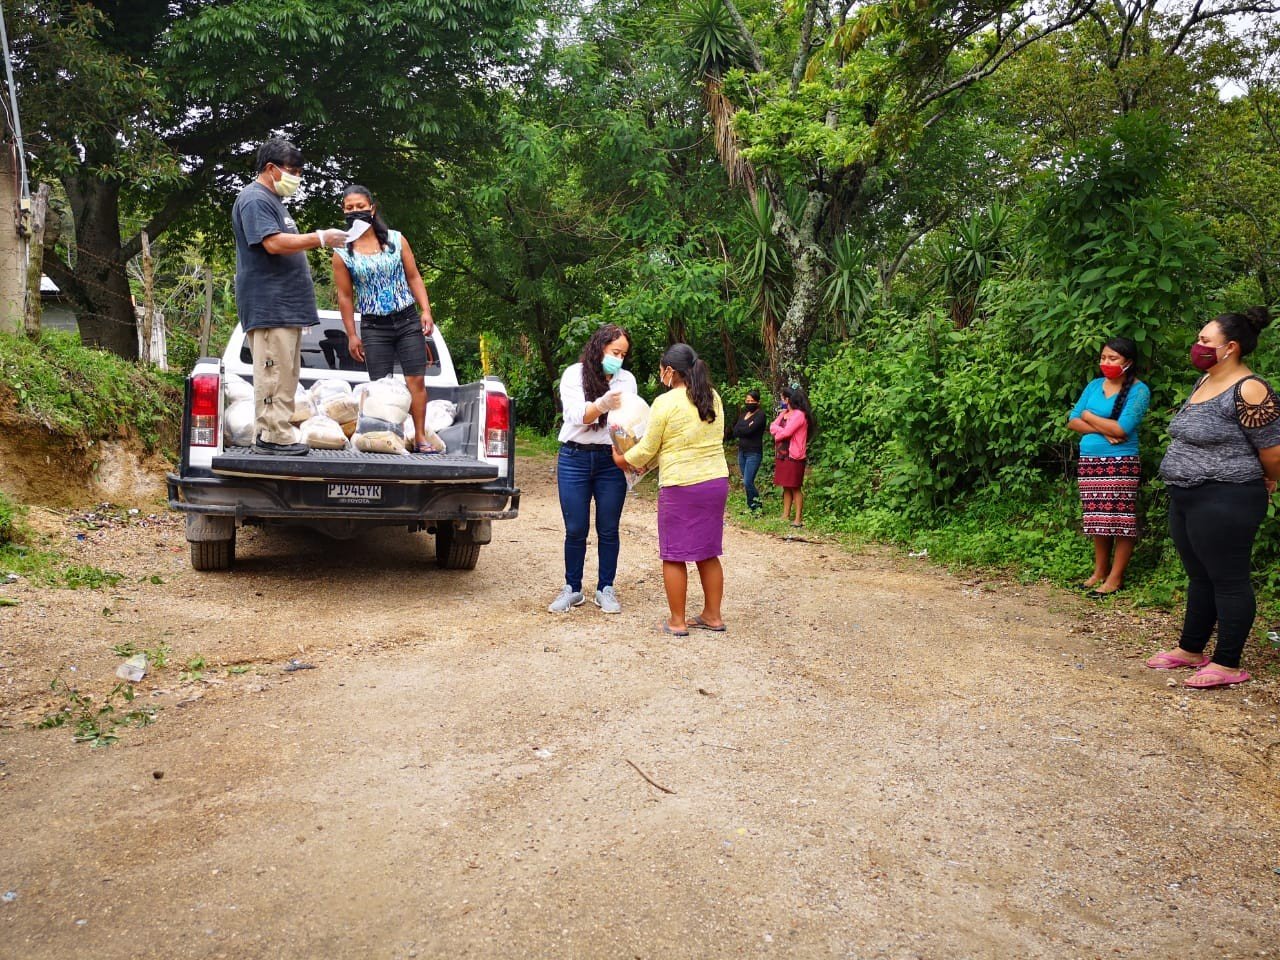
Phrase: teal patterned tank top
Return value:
(378, 279)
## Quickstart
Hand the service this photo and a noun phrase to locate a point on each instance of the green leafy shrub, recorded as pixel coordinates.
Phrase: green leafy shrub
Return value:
(81, 392)
(951, 437)
(8, 519)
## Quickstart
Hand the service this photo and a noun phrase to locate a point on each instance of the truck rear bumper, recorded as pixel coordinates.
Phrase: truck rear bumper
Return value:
(244, 498)
(352, 466)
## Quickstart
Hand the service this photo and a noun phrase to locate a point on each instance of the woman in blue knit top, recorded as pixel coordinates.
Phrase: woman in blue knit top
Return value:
(1107, 416)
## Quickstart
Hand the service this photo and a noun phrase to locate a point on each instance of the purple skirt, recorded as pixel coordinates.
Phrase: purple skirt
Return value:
(691, 521)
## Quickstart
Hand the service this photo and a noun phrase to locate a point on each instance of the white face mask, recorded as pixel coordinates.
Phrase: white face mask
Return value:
(288, 184)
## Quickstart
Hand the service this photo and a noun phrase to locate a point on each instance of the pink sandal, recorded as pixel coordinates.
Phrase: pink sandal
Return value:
(1167, 661)
(1209, 678)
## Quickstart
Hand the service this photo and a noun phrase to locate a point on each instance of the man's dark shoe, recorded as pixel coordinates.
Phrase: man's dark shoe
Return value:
(280, 449)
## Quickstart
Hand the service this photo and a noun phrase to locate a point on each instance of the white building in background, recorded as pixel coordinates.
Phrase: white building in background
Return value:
(58, 313)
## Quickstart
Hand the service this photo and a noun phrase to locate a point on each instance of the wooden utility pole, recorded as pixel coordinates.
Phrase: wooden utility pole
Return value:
(13, 242)
(148, 298)
(206, 317)
(35, 264)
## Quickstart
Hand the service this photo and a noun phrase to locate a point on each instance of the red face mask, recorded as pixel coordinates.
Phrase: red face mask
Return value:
(1112, 371)
(1203, 356)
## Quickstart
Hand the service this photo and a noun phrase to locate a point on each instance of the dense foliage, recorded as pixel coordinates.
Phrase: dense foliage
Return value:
(145, 111)
(87, 394)
(931, 213)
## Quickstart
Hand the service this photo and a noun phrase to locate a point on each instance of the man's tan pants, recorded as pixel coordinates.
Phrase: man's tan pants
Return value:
(277, 361)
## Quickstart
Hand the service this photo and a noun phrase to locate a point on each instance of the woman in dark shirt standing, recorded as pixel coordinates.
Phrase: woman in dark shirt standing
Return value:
(749, 432)
(1221, 466)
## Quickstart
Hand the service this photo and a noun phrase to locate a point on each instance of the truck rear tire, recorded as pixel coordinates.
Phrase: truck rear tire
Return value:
(213, 554)
(454, 552)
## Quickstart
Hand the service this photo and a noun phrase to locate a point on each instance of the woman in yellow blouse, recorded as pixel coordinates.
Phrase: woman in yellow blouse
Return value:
(685, 439)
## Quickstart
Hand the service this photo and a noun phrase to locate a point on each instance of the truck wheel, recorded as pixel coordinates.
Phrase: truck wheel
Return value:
(213, 554)
(454, 552)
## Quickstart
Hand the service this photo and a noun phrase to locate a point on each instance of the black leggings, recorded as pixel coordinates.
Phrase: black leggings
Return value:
(1213, 526)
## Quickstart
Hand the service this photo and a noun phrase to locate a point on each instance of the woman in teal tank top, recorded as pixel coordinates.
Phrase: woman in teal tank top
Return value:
(377, 276)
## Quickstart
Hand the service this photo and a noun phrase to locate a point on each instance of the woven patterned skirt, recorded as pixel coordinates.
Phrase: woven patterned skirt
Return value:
(1109, 495)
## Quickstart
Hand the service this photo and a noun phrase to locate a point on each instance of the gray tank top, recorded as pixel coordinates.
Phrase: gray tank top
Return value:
(1219, 439)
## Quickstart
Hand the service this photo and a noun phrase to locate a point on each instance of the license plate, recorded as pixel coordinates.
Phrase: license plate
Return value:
(355, 492)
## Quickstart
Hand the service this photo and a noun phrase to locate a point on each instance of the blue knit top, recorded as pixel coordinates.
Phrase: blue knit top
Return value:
(1100, 405)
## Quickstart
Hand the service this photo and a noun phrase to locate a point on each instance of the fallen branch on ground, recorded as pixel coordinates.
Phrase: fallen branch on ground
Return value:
(650, 779)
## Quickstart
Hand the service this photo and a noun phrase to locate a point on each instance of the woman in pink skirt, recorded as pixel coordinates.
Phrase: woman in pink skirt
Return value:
(685, 440)
(791, 431)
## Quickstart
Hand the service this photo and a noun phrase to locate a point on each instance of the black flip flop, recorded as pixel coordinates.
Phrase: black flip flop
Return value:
(700, 624)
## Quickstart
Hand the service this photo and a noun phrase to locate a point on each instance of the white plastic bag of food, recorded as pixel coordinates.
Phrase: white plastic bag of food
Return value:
(235, 387)
(628, 422)
(302, 408)
(373, 425)
(411, 432)
(379, 441)
(334, 399)
(626, 425)
(386, 399)
(323, 433)
(238, 421)
(441, 414)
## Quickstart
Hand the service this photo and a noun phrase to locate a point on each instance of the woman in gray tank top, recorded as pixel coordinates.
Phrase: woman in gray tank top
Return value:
(1220, 468)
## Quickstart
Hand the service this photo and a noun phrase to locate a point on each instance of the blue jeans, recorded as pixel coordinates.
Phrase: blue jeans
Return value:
(584, 475)
(749, 465)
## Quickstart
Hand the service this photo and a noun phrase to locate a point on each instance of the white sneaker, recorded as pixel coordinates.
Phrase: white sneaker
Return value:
(607, 601)
(569, 597)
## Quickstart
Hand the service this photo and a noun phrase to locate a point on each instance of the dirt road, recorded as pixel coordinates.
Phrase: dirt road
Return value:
(879, 760)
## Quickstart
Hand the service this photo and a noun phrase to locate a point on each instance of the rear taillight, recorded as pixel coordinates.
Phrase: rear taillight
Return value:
(497, 425)
(205, 390)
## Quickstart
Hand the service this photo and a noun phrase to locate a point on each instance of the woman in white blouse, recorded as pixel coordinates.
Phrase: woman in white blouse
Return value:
(585, 470)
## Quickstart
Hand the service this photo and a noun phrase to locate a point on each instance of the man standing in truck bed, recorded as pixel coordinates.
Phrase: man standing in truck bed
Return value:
(275, 297)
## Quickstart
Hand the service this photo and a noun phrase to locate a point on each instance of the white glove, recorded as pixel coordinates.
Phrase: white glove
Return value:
(610, 401)
(332, 238)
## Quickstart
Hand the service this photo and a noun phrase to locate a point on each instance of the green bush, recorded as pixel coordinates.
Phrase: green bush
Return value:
(8, 520)
(80, 392)
(952, 437)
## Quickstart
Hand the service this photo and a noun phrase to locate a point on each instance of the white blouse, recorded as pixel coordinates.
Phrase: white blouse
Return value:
(574, 403)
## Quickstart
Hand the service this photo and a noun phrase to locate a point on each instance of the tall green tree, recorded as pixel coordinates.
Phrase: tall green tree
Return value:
(838, 100)
(160, 102)
(599, 198)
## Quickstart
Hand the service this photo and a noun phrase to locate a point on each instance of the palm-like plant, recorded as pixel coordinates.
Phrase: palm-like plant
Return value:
(766, 272)
(715, 47)
(848, 288)
(968, 257)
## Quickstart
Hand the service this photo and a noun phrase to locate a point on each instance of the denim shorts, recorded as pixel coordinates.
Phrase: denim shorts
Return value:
(395, 339)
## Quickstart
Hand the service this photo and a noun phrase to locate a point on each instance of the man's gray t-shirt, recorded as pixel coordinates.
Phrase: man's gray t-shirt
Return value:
(272, 290)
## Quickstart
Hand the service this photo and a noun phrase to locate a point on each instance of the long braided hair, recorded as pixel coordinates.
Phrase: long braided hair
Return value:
(1129, 350)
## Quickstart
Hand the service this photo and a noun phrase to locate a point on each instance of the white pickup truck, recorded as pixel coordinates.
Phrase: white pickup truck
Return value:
(455, 495)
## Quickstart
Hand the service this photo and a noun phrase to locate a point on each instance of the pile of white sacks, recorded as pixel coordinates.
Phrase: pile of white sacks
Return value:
(373, 418)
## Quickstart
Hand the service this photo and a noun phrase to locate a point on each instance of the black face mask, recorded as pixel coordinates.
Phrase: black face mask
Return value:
(751, 406)
(354, 215)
